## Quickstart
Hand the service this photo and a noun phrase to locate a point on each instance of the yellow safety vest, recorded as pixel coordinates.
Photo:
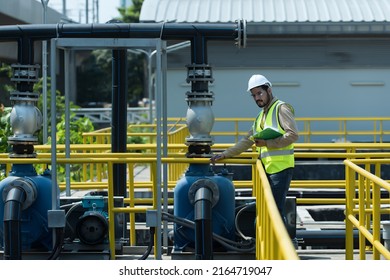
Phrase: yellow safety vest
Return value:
(274, 159)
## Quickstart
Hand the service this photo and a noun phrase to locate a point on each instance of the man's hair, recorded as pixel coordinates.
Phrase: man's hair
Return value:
(264, 87)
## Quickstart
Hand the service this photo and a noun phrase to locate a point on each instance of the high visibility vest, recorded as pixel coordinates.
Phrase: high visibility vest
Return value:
(274, 159)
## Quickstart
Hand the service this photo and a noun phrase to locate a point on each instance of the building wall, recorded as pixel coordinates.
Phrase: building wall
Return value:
(313, 92)
(26, 11)
(348, 77)
(319, 77)
(23, 12)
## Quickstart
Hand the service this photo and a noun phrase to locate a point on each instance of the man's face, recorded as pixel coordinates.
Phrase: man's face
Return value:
(260, 96)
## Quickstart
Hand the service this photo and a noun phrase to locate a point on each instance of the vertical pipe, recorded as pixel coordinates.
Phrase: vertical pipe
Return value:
(44, 74)
(53, 111)
(25, 57)
(160, 91)
(164, 142)
(200, 118)
(119, 117)
(150, 86)
(203, 224)
(67, 120)
(199, 57)
(12, 223)
(44, 91)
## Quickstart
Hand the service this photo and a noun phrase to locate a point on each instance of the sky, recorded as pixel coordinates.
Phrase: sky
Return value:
(108, 9)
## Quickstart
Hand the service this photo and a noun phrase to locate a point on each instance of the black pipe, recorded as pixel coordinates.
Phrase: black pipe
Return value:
(12, 228)
(245, 246)
(198, 34)
(59, 243)
(119, 117)
(329, 238)
(199, 59)
(145, 255)
(203, 224)
(165, 31)
(25, 57)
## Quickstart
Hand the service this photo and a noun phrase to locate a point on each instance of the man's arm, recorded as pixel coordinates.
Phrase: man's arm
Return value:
(241, 146)
(287, 121)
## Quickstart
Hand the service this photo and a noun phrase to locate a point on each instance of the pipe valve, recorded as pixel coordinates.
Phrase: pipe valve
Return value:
(26, 118)
(200, 117)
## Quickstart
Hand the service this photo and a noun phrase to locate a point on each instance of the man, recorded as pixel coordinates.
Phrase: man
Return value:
(276, 154)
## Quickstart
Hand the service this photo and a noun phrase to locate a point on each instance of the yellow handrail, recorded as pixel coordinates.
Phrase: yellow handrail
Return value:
(364, 207)
(98, 160)
(272, 239)
(309, 127)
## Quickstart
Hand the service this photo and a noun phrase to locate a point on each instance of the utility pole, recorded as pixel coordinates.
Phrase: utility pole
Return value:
(97, 10)
(64, 8)
(86, 10)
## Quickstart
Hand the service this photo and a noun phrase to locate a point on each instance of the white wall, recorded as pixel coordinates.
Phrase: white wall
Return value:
(313, 93)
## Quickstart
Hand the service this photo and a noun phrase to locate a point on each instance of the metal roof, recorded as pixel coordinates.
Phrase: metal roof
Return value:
(277, 11)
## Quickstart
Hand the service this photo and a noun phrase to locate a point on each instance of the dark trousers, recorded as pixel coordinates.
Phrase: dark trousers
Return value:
(280, 183)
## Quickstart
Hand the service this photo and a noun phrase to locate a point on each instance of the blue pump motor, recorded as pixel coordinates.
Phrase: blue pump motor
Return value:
(35, 233)
(92, 226)
(223, 212)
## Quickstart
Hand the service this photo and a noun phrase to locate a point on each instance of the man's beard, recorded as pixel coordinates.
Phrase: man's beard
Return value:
(261, 104)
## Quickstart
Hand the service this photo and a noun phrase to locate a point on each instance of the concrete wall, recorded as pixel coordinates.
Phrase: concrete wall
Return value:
(312, 92)
(320, 77)
(26, 11)
(23, 12)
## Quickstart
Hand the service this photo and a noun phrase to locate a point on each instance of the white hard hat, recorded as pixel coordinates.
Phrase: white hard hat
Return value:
(258, 80)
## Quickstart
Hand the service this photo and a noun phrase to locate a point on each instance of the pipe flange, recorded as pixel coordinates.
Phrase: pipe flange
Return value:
(25, 96)
(242, 34)
(199, 73)
(25, 73)
(28, 187)
(16, 155)
(199, 94)
(201, 183)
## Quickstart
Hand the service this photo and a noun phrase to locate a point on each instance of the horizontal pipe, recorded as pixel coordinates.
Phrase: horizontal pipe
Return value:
(325, 233)
(165, 31)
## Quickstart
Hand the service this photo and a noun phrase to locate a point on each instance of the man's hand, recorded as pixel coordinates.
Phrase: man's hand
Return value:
(260, 142)
(217, 157)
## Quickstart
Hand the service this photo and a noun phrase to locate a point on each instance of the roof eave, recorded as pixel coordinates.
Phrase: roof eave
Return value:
(318, 28)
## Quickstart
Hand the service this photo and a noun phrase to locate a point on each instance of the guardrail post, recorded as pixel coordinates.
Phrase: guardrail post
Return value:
(349, 195)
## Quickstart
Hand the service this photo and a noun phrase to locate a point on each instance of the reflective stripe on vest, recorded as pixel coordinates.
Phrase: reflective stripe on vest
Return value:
(274, 160)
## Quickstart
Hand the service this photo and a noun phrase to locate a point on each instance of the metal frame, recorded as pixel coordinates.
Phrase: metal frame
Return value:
(159, 45)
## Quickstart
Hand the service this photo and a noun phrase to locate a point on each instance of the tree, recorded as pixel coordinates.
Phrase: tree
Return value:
(94, 78)
(5, 84)
(95, 73)
(131, 14)
(77, 126)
